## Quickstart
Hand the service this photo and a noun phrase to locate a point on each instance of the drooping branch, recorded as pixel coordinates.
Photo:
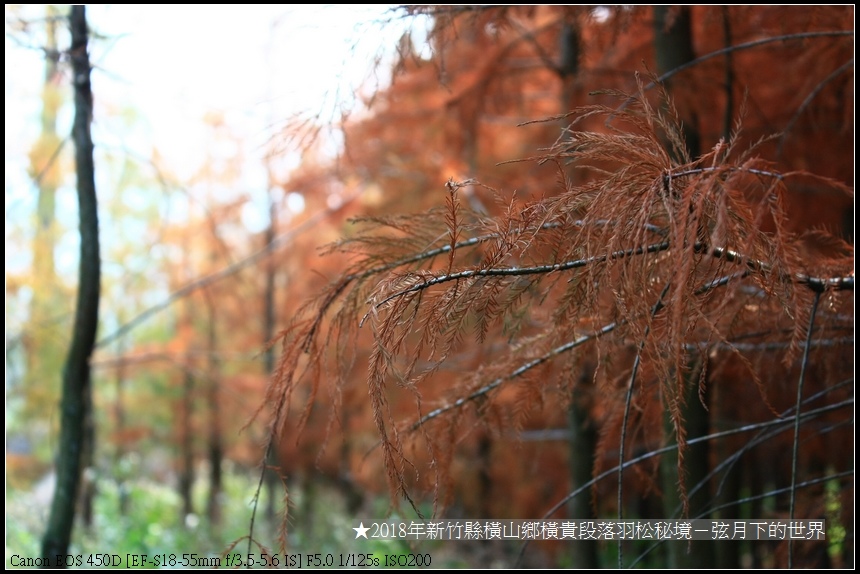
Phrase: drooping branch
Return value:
(710, 224)
(814, 283)
(483, 391)
(628, 400)
(515, 374)
(518, 271)
(471, 242)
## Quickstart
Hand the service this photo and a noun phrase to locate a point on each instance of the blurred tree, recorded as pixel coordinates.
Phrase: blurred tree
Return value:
(46, 171)
(46, 335)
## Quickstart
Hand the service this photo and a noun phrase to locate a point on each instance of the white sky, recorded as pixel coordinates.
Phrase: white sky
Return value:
(172, 65)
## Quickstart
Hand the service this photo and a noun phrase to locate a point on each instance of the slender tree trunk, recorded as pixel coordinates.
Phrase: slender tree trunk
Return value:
(581, 448)
(583, 434)
(184, 415)
(353, 495)
(272, 470)
(44, 348)
(216, 446)
(673, 47)
(44, 165)
(76, 374)
(119, 414)
(729, 115)
(485, 479)
(186, 445)
(696, 466)
(729, 484)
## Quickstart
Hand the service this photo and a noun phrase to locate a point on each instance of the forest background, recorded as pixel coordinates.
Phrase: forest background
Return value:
(711, 217)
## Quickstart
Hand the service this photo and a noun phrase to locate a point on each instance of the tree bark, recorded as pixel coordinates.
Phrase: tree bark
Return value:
(216, 443)
(119, 413)
(186, 445)
(692, 554)
(673, 47)
(582, 446)
(89, 486)
(76, 374)
(583, 433)
(273, 475)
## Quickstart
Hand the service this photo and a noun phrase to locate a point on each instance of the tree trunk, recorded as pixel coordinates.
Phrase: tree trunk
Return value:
(583, 434)
(272, 467)
(44, 348)
(582, 446)
(184, 414)
(119, 413)
(673, 47)
(186, 445)
(88, 465)
(216, 447)
(696, 553)
(76, 374)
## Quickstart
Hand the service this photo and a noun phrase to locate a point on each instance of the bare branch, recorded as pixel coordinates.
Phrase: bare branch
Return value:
(800, 109)
(516, 271)
(737, 47)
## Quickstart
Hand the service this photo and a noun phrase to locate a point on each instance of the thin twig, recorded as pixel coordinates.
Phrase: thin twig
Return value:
(722, 434)
(730, 75)
(796, 441)
(518, 372)
(696, 171)
(627, 402)
(776, 492)
(545, 357)
(735, 48)
(807, 101)
(37, 180)
(431, 253)
(764, 435)
(714, 436)
(772, 346)
(256, 499)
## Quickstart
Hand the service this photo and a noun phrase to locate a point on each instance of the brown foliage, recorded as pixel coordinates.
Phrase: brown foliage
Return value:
(681, 278)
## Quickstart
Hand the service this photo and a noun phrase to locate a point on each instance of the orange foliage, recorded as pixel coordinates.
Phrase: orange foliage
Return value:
(698, 274)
